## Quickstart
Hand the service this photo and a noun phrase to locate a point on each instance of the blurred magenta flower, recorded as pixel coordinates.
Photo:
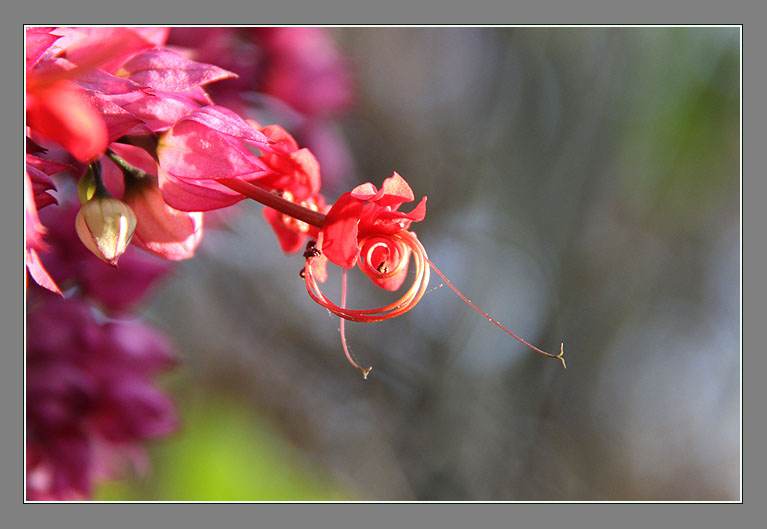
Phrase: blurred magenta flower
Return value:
(91, 402)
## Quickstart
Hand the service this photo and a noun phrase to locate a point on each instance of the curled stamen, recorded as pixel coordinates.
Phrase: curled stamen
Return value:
(410, 245)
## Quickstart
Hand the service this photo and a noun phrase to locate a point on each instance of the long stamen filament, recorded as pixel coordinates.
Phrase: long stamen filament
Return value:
(348, 353)
(495, 322)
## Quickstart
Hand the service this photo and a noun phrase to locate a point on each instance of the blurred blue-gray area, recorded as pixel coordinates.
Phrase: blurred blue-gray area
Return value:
(583, 186)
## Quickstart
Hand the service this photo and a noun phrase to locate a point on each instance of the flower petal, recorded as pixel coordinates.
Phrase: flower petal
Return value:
(340, 231)
(61, 112)
(194, 151)
(198, 196)
(290, 241)
(160, 229)
(164, 70)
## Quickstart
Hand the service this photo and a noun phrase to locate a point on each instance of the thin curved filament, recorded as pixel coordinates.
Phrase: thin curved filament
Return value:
(408, 300)
(342, 330)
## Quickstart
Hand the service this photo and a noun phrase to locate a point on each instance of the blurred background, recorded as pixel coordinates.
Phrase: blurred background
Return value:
(583, 186)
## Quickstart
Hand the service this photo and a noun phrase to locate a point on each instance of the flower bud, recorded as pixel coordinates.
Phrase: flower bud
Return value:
(105, 225)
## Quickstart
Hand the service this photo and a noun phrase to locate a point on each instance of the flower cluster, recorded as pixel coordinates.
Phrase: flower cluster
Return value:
(125, 151)
(127, 115)
(91, 401)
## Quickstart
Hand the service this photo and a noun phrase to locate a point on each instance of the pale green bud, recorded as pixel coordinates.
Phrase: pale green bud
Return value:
(105, 225)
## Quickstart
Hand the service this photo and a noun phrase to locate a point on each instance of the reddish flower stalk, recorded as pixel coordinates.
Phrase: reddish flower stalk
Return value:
(253, 191)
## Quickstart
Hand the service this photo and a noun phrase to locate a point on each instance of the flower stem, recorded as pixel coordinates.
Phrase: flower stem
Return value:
(126, 167)
(98, 181)
(253, 191)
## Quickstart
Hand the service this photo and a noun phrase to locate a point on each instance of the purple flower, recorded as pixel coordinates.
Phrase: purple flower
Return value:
(91, 402)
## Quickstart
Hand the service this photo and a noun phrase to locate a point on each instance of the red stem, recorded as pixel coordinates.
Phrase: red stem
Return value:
(267, 198)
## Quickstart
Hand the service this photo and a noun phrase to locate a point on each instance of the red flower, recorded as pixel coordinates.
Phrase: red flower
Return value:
(295, 177)
(61, 112)
(360, 226)
(365, 227)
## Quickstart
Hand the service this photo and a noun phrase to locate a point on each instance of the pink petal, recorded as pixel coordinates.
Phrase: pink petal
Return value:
(282, 140)
(113, 177)
(396, 191)
(191, 150)
(119, 122)
(156, 35)
(105, 83)
(161, 229)
(290, 241)
(34, 227)
(136, 156)
(227, 122)
(364, 191)
(104, 47)
(39, 273)
(160, 111)
(200, 196)
(37, 42)
(167, 71)
(48, 167)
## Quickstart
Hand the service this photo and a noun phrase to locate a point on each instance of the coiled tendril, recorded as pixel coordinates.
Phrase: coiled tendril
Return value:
(381, 257)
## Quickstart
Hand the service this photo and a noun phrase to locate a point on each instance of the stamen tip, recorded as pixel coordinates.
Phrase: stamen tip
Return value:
(561, 354)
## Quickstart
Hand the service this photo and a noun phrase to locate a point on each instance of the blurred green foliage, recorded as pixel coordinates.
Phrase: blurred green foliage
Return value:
(224, 452)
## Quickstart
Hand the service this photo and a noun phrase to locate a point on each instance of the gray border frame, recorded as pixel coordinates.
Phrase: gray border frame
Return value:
(342, 515)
